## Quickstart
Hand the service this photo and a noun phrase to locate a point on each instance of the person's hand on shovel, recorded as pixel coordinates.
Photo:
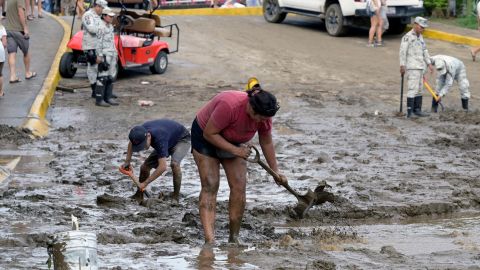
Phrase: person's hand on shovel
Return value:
(126, 169)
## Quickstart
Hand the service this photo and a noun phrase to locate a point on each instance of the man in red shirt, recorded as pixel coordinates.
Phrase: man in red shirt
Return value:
(219, 132)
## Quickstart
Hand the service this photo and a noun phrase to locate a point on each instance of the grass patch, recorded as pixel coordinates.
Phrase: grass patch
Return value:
(469, 22)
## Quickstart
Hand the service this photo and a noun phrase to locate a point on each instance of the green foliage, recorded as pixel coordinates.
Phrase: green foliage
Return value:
(432, 4)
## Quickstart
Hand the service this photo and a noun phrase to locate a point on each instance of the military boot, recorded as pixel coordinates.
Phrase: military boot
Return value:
(93, 85)
(99, 94)
(417, 107)
(434, 105)
(410, 108)
(108, 94)
(465, 104)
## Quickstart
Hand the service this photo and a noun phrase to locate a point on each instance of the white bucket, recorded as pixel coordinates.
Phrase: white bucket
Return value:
(75, 250)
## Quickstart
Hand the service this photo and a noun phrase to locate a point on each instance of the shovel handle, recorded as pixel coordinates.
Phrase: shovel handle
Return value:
(275, 175)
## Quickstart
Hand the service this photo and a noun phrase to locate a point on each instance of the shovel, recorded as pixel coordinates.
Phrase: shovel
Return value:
(304, 201)
(129, 172)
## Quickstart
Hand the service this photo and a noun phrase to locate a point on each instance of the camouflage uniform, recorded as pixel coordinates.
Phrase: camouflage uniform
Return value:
(414, 56)
(105, 46)
(105, 49)
(91, 23)
(453, 69)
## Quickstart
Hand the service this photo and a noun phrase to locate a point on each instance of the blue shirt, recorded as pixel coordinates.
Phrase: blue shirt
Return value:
(165, 134)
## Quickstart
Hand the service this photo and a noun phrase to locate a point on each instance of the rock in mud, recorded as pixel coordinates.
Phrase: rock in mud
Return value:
(190, 219)
(110, 201)
(323, 158)
(391, 252)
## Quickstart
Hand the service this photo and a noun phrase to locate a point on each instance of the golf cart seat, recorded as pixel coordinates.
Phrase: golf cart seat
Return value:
(136, 15)
(146, 26)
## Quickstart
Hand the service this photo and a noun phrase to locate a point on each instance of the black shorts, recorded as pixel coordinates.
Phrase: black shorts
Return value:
(204, 147)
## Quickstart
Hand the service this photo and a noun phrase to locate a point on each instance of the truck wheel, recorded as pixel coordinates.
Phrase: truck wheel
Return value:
(334, 21)
(272, 12)
(396, 27)
(161, 63)
(67, 67)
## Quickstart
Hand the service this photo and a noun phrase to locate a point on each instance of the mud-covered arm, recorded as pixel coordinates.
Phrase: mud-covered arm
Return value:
(268, 149)
(162, 167)
(128, 158)
(213, 136)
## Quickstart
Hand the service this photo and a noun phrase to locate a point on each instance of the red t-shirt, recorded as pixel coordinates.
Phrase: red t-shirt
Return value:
(228, 111)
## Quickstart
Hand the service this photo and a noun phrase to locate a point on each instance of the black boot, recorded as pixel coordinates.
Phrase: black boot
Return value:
(434, 105)
(99, 93)
(410, 107)
(417, 107)
(93, 85)
(465, 104)
(108, 94)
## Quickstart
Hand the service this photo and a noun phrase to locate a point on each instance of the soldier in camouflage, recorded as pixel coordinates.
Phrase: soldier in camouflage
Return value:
(107, 54)
(91, 22)
(414, 59)
(450, 69)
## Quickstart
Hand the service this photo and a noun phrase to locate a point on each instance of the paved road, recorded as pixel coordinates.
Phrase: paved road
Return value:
(46, 35)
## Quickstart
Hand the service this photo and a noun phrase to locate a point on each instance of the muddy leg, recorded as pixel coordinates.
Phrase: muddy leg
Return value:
(177, 179)
(208, 168)
(144, 174)
(236, 171)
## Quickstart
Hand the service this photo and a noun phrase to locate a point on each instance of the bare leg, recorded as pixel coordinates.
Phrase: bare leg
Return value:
(39, 7)
(177, 179)
(26, 62)
(373, 28)
(1, 86)
(209, 170)
(11, 64)
(379, 27)
(236, 171)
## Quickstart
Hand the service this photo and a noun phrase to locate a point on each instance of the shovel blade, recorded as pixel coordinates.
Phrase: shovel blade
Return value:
(305, 202)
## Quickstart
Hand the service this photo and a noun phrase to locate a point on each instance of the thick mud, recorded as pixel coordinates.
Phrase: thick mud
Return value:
(406, 191)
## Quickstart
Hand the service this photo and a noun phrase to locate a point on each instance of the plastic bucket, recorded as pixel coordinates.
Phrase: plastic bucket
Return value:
(75, 250)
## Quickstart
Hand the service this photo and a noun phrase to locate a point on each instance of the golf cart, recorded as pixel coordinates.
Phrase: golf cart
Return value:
(137, 40)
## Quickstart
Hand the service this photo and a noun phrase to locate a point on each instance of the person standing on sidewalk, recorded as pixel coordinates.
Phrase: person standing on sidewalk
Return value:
(3, 38)
(475, 50)
(414, 59)
(18, 36)
(107, 58)
(449, 69)
(91, 23)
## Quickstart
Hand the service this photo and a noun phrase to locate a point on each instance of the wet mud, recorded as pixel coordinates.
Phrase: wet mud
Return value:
(406, 192)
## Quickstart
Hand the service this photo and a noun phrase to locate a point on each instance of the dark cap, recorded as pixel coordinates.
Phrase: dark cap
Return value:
(264, 103)
(138, 138)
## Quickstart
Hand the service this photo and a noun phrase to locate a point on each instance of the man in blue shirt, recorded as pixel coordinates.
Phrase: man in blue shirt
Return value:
(168, 138)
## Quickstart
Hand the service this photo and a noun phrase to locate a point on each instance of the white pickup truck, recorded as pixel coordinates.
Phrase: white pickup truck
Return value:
(338, 15)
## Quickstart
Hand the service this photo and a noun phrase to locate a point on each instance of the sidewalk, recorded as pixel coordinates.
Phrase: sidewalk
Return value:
(46, 35)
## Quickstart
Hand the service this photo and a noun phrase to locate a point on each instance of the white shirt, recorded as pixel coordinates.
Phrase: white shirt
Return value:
(2, 49)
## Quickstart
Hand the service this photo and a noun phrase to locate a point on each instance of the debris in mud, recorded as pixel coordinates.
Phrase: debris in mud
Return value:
(110, 201)
(323, 158)
(66, 129)
(190, 219)
(333, 239)
(288, 241)
(145, 103)
(13, 135)
(322, 265)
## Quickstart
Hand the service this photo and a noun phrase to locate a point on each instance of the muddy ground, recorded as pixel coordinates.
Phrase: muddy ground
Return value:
(407, 190)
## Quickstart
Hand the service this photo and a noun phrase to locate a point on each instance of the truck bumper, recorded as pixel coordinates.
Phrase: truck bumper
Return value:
(395, 12)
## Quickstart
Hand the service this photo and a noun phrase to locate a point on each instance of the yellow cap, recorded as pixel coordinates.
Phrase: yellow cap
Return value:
(251, 83)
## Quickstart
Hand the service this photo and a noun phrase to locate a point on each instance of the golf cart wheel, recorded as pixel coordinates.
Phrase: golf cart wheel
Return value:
(272, 12)
(334, 21)
(67, 67)
(161, 63)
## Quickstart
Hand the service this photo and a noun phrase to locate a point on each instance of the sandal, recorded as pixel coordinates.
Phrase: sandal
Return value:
(30, 17)
(34, 74)
(17, 80)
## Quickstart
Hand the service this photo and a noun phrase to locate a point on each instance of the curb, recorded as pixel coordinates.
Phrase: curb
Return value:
(454, 38)
(36, 122)
(246, 11)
